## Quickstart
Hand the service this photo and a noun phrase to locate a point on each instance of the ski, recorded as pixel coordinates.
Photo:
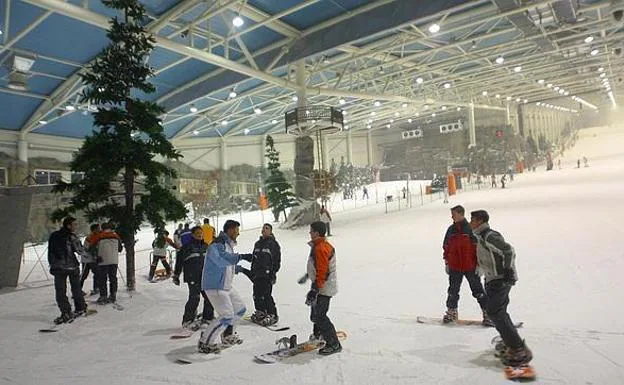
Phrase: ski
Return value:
(56, 327)
(460, 322)
(289, 350)
(273, 328)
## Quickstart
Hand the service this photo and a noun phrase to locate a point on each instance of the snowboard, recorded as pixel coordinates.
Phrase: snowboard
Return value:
(56, 327)
(114, 305)
(285, 352)
(274, 328)
(198, 357)
(459, 322)
(515, 373)
(186, 332)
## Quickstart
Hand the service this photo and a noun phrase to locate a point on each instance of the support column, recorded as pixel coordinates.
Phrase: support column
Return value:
(349, 147)
(369, 147)
(22, 150)
(263, 161)
(472, 130)
(325, 152)
(507, 115)
(301, 77)
(223, 153)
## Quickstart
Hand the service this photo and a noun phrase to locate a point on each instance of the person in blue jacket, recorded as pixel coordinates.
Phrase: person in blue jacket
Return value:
(217, 276)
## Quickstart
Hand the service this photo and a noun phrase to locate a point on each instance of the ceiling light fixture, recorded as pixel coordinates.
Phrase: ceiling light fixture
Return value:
(549, 85)
(419, 80)
(589, 39)
(257, 111)
(274, 121)
(484, 93)
(70, 108)
(518, 68)
(447, 85)
(409, 120)
(193, 109)
(43, 122)
(342, 101)
(238, 21)
(195, 132)
(232, 94)
(434, 28)
(556, 88)
(246, 131)
(404, 105)
(376, 103)
(594, 52)
(500, 60)
(443, 108)
(497, 96)
(541, 81)
(295, 98)
(224, 123)
(601, 69)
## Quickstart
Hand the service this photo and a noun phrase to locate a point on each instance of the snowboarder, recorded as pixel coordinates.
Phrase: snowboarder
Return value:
(190, 260)
(88, 260)
(503, 180)
(364, 193)
(159, 253)
(62, 248)
(493, 177)
(217, 276)
(108, 247)
(326, 218)
(496, 260)
(460, 258)
(264, 267)
(321, 270)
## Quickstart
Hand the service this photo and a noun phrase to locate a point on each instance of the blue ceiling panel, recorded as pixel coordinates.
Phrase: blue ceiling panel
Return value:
(53, 67)
(312, 15)
(43, 85)
(98, 7)
(260, 37)
(62, 37)
(158, 7)
(184, 72)
(16, 109)
(161, 57)
(272, 7)
(22, 15)
(172, 128)
(74, 125)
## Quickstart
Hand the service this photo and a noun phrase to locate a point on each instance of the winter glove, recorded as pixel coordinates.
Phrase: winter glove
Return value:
(247, 257)
(176, 280)
(311, 297)
(303, 279)
(509, 277)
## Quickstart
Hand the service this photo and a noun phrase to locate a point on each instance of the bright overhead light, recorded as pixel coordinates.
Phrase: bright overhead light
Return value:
(346, 127)
(518, 68)
(447, 85)
(404, 105)
(566, 93)
(43, 122)
(373, 113)
(458, 108)
(518, 100)
(538, 103)
(273, 121)
(69, 107)
(426, 106)
(257, 111)
(397, 114)
(562, 91)
(344, 112)
(508, 98)
(443, 108)
(601, 69)
(549, 85)
(377, 103)
(409, 120)
(525, 101)
(434, 28)
(224, 123)
(541, 81)
(417, 114)
(500, 60)
(195, 132)
(419, 80)
(497, 96)
(193, 109)
(589, 39)
(434, 114)
(388, 125)
(368, 126)
(484, 93)
(602, 75)
(369, 121)
(295, 98)
(238, 21)
(232, 94)
(0, 32)
(594, 52)
(556, 88)
(342, 101)
(246, 131)
(391, 120)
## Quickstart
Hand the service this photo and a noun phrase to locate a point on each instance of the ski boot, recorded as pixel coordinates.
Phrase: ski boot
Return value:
(231, 339)
(487, 321)
(102, 301)
(258, 316)
(208, 348)
(520, 356)
(449, 316)
(269, 320)
(330, 349)
(64, 318)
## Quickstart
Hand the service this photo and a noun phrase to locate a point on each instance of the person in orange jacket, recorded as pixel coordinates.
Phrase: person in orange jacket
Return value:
(321, 270)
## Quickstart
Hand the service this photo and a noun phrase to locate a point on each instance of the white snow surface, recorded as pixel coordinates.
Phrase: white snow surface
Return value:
(564, 225)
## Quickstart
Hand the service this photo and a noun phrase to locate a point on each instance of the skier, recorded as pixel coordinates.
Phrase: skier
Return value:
(62, 248)
(217, 276)
(321, 270)
(264, 267)
(364, 193)
(326, 218)
(460, 260)
(108, 247)
(159, 253)
(503, 180)
(496, 259)
(177, 233)
(190, 260)
(209, 232)
(493, 177)
(88, 260)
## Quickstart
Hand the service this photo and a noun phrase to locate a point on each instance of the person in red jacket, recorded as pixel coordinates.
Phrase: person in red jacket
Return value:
(460, 258)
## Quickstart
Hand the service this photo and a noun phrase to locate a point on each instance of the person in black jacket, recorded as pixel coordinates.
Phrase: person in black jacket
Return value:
(190, 259)
(265, 264)
(62, 248)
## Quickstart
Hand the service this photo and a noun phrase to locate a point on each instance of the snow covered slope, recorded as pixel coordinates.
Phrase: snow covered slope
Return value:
(564, 224)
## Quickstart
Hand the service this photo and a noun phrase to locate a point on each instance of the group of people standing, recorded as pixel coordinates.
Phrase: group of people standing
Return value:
(472, 249)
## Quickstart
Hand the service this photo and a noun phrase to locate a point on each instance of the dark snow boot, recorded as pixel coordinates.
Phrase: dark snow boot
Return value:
(64, 318)
(330, 349)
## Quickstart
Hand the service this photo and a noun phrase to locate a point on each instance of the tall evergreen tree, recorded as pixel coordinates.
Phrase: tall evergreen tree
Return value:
(279, 191)
(123, 183)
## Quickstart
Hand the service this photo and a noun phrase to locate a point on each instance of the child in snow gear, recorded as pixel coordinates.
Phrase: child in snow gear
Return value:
(62, 248)
(264, 267)
(496, 259)
(460, 258)
(190, 260)
(160, 253)
(89, 262)
(321, 270)
(217, 276)
(108, 248)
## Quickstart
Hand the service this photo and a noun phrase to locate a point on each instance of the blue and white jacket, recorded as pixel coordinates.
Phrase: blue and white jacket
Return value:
(219, 264)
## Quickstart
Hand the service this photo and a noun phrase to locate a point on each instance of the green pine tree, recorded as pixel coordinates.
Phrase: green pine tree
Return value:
(279, 191)
(123, 182)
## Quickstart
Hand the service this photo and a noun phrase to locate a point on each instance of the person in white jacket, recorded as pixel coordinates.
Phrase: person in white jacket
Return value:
(217, 276)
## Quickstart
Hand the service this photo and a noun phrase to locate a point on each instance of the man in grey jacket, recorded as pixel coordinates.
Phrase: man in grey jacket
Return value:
(496, 260)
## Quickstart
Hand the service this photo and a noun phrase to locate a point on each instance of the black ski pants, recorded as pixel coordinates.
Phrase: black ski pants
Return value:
(498, 299)
(455, 281)
(60, 288)
(190, 309)
(322, 324)
(108, 273)
(93, 267)
(262, 296)
(155, 259)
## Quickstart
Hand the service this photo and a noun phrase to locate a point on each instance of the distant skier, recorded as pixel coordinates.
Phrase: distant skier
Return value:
(585, 161)
(217, 276)
(266, 263)
(108, 246)
(159, 253)
(63, 246)
(496, 260)
(578, 163)
(364, 193)
(326, 218)
(88, 260)
(209, 231)
(185, 235)
(493, 177)
(190, 261)
(321, 270)
(460, 260)
(503, 180)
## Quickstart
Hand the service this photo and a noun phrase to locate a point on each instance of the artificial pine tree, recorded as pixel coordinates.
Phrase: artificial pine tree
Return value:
(122, 180)
(279, 191)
